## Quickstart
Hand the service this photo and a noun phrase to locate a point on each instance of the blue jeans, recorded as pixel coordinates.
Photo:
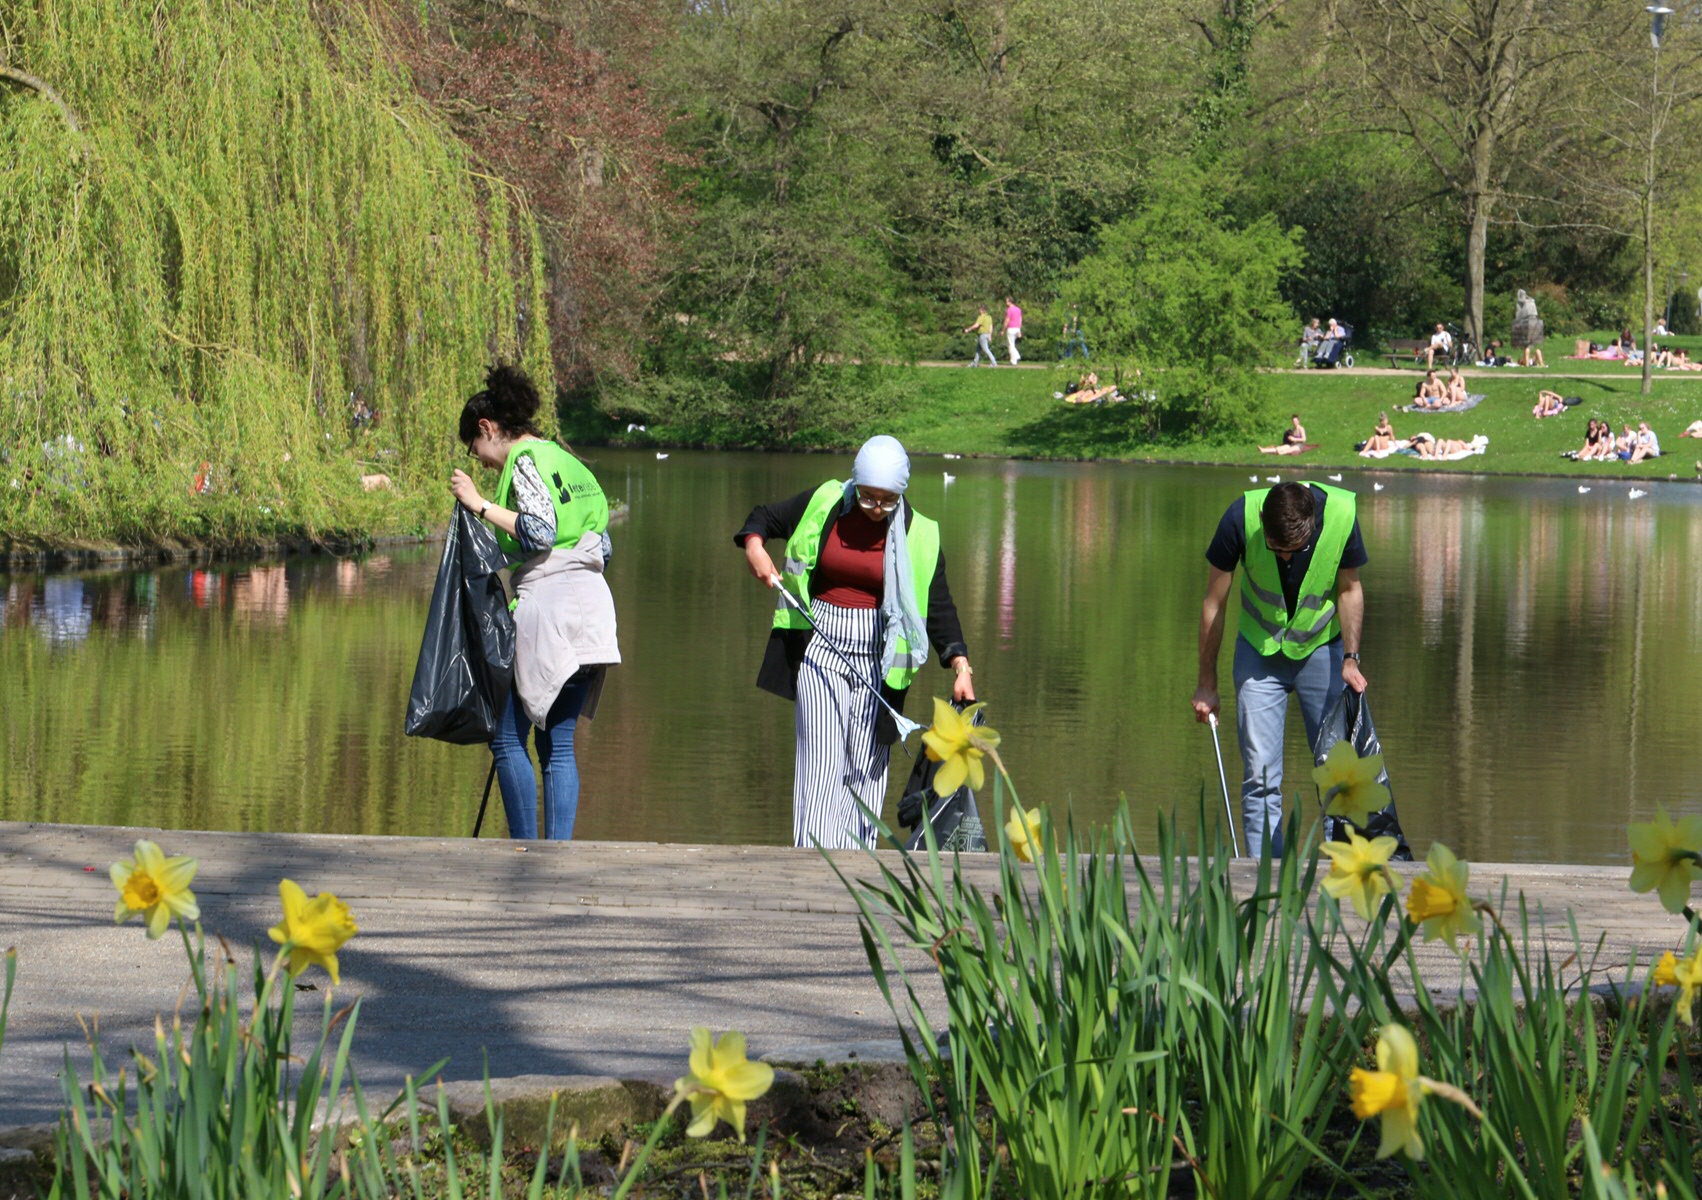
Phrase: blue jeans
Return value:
(1072, 343)
(555, 755)
(1262, 688)
(984, 345)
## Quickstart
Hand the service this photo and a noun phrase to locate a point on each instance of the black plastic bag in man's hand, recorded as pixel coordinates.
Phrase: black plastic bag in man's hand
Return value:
(956, 820)
(466, 666)
(1350, 718)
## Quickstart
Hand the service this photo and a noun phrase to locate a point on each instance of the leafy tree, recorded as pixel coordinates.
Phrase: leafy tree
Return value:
(1470, 84)
(1188, 304)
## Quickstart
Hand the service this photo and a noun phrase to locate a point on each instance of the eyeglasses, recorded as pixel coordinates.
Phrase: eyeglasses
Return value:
(870, 504)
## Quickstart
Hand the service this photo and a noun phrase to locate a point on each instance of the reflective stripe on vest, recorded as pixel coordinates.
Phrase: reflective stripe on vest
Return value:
(578, 498)
(922, 539)
(1265, 620)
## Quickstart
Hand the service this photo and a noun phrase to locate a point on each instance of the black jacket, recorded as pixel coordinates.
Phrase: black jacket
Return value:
(785, 653)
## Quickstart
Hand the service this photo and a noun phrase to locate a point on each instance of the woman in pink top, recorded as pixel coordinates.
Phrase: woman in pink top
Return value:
(1013, 328)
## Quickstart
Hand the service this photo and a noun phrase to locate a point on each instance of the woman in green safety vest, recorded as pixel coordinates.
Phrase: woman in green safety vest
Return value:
(868, 567)
(552, 519)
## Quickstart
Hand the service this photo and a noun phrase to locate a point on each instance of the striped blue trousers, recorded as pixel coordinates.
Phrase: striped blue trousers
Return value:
(838, 761)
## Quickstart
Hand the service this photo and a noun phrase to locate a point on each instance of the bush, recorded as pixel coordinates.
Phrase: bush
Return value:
(1180, 287)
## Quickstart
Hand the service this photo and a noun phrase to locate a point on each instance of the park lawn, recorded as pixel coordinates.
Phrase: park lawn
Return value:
(1006, 412)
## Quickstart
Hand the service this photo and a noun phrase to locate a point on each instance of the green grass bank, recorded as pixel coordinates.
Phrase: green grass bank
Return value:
(1016, 413)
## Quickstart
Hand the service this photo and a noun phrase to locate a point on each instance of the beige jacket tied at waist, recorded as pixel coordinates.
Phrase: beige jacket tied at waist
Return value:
(564, 620)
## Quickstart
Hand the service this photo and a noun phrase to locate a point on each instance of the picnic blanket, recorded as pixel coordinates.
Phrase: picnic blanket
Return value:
(1473, 399)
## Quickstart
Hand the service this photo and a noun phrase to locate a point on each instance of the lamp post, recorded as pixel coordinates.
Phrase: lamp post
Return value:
(1658, 14)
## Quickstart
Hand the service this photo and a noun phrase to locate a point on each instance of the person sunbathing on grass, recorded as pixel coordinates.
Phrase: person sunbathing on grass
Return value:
(1088, 390)
(1434, 447)
(1382, 439)
(1549, 404)
(1293, 439)
(1431, 393)
(1456, 386)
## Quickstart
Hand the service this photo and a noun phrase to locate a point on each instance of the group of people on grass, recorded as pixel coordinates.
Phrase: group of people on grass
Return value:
(1432, 392)
(1633, 445)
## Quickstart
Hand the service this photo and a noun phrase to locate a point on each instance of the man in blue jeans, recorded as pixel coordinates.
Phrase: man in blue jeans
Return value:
(1298, 632)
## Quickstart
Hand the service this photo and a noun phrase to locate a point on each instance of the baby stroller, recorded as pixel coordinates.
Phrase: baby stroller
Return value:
(1335, 352)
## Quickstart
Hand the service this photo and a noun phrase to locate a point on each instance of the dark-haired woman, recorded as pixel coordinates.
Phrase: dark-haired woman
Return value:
(869, 569)
(551, 517)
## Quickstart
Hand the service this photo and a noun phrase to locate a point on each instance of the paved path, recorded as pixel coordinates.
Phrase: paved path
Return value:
(581, 958)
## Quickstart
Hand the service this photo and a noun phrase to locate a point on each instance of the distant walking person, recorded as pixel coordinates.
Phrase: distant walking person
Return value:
(1071, 337)
(1301, 613)
(1013, 328)
(982, 328)
(868, 567)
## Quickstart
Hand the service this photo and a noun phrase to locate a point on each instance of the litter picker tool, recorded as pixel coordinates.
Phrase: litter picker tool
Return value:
(1223, 779)
(479, 821)
(905, 725)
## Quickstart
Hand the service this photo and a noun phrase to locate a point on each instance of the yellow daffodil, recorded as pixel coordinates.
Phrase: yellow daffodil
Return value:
(1664, 858)
(313, 929)
(1393, 1091)
(721, 1082)
(1666, 971)
(1687, 974)
(1348, 785)
(958, 744)
(155, 886)
(1023, 830)
(1359, 871)
(1438, 901)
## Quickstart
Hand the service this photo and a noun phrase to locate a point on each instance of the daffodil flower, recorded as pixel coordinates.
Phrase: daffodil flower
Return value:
(1023, 830)
(721, 1082)
(1687, 974)
(155, 886)
(1359, 871)
(958, 744)
(1393, 1091)
(314, 930)
(1666, 971)
(1666, 857)
(1347, 784)
(1438, 903)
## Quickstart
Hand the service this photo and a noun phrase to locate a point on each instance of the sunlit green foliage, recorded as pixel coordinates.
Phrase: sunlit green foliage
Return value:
(253, 237)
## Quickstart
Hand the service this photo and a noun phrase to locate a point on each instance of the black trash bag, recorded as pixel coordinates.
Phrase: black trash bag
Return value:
(955, 819)
(466, 665)
(1350, 717)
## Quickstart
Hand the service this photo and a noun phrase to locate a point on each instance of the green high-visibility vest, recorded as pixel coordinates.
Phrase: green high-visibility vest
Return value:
(580, 505)
(922, 538)
(1265, 619)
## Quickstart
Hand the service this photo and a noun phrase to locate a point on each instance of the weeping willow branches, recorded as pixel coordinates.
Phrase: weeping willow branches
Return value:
(283, 268)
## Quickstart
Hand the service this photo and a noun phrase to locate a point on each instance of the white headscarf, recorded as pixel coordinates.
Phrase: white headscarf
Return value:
(882, 463)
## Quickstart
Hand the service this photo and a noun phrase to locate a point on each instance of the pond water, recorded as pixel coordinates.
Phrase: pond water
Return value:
(1533, 655)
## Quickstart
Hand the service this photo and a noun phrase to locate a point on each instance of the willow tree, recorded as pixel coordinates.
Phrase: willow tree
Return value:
(1472, 85)
(240, 265)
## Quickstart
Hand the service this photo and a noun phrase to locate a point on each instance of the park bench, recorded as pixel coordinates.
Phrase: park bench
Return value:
(1410, 348)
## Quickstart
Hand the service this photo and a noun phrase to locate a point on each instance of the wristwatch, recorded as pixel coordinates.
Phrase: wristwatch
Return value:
(487, 508)
(1353, 654)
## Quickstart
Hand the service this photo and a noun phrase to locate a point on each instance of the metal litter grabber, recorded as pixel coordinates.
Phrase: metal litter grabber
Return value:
(1223, 779)
(905, 725)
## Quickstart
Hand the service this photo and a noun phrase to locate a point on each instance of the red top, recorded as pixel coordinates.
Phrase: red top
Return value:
(851, 568)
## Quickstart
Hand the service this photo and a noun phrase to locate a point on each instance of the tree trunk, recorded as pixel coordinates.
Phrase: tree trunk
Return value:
(1476, 241)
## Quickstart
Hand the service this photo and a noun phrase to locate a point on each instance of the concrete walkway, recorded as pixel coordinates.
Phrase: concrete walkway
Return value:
(589, 958)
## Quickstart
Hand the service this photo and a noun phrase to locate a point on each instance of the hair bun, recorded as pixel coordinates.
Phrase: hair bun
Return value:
(513, 397)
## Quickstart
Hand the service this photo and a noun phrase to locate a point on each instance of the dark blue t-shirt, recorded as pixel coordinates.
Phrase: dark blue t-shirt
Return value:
(1228, 548)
